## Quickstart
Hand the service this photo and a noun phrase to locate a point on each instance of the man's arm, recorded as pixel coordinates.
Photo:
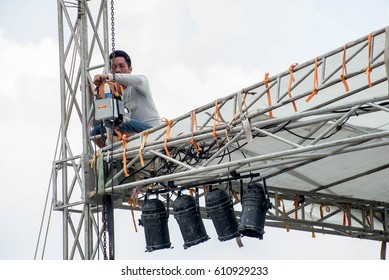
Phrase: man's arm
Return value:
(139, 82)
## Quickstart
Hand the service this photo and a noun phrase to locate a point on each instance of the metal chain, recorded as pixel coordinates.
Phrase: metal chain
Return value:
(105, 232)
(104, 212)
(113, 34)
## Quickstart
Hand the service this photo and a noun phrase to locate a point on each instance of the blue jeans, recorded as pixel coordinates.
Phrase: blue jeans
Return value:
(132, 126)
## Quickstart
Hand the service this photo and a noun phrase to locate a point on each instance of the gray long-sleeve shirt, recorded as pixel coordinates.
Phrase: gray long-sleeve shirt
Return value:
(138, 99)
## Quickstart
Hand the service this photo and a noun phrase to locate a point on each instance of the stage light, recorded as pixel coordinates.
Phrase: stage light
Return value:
(154, 219)
(220, 208)
(188, 217)
(254, 207)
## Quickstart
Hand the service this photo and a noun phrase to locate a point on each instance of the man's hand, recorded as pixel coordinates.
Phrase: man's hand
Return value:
(99, 79)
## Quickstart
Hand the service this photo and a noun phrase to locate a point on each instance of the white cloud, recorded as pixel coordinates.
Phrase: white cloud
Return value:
(29, 121)
(179, 84)
(29, 78)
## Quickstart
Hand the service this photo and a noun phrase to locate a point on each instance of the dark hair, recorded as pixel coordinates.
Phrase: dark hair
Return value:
(120, 54)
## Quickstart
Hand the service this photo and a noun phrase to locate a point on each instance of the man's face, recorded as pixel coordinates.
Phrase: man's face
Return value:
(119, 65)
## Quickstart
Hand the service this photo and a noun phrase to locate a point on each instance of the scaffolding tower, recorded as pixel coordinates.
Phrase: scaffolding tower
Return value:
(317, 134)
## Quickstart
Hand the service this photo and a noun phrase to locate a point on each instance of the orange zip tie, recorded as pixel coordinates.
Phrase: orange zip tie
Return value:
(321, 209)
(266, 82)
(315, 82)
(344, 70)
(216, 119)
(194, 127)
(279, 201)
(167, 138)
(124, 143)
(368, 70)
(142, 146)
(291, 80)
(296, 205)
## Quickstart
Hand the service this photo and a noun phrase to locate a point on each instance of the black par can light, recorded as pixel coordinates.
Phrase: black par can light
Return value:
(254, 207)
(220, 209)
(154, 219)
(188, 217)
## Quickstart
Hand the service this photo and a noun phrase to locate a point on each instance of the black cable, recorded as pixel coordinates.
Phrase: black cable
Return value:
(139, 170)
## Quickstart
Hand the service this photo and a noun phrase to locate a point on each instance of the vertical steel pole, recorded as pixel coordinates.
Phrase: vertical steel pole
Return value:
(85, 96)
(63, 148)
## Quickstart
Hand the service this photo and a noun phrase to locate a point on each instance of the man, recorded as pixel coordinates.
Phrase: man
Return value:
(141, 111)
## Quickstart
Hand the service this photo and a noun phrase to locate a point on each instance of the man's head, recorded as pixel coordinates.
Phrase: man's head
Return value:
(120, 62)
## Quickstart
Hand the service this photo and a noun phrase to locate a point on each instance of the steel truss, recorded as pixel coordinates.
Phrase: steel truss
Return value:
(83, 47)
(246, 137)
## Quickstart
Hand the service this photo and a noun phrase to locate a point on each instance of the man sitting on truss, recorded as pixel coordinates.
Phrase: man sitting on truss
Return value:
(140, 111)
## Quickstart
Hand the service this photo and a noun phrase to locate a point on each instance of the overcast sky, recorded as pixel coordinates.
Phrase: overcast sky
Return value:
(193, 52)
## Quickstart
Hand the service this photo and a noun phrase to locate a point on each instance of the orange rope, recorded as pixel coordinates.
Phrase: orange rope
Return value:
(194, 123)
(291, 80)
(228, 125)
(116, 89)
(236, 114)
(197, 146)
(367, 214)
(142, 146)
(321, 209)
(266, 82)
(279, 201)
(167, 138)
(124, 143)
(216, 119)
(206, 190)
(235, 196)
(296, 205)
(346, 216)
(132, 204)
(315, 82)
(344, 70)
(133, 201)
(369, 69)
(193, 128)
(118, 133)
